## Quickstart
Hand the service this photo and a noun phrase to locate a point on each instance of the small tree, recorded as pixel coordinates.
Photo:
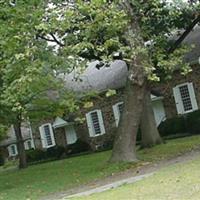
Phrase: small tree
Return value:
(30, 88)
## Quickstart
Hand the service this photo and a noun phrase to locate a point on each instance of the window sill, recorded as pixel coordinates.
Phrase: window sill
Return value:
(97, 135)
(47, 147)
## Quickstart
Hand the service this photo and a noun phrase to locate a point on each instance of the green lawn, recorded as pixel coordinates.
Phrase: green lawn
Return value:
(177, 182)
(42, 179)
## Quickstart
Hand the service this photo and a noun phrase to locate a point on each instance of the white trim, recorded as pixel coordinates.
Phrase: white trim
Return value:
(10, 151)
(91, 126)
(179, 101)
(192, 96)
(26, 146)
(116, 112)
(71, 135)
(43, 136)
(31, 134)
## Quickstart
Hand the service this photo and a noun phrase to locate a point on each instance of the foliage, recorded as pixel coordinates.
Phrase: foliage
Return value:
(173, 126)
(89, 30)
(78, 33)
(2, 161)
(56, 152)
(188, 123)
(193, 121)
(29, 86)
(78, 147)
(3, 131)
(42, 179)
(35, 155)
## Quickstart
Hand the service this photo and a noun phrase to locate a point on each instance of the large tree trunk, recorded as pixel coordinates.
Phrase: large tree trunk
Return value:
(124, 148)
(149, 131)
(20, 145)
(125, 140)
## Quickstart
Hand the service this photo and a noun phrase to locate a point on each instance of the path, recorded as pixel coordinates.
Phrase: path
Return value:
(126, 177)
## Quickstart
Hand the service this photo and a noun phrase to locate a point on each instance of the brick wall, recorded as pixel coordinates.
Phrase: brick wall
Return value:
(105, 105)
(166, 89)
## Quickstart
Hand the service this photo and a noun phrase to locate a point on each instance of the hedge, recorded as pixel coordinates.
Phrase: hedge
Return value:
(56, 152)
(188, 123)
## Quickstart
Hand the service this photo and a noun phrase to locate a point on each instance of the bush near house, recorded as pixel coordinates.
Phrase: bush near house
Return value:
(2, 161)
(56, 152)
(193, 122)
(189, 123)
(78, 147)
(53, 153)
(172, 126)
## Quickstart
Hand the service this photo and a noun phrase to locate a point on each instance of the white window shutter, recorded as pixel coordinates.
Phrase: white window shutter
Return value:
(32, 144)
(25, 145)
(178, 101)
(100, 117)
(192, 96)
(52, 135)
(89, 124)
(116, 114)
(9, 151)
(42, 136)
(16, 150)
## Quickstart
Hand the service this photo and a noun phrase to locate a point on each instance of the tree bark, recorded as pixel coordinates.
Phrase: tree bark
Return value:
(124, 149)
(20, 145)
(149, 131)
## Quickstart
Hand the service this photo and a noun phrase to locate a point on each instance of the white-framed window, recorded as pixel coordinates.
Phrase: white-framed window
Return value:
(12, 150)
(117, 110)
(185, 98)
(47, 136)
(28, 144)
(95, 123)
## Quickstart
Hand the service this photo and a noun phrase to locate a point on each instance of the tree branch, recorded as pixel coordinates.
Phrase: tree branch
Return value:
(56, 40)
(53, 39)
(184, 35)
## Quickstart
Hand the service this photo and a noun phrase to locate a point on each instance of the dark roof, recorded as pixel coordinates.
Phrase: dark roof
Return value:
(193, 39)
(114, 76)
(107, 77)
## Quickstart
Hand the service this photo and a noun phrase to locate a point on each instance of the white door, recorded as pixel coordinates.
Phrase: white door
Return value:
(70, 135)
(159, 112)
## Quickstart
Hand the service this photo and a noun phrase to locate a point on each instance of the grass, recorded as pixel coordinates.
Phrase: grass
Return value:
(43, 179)
(177, 182)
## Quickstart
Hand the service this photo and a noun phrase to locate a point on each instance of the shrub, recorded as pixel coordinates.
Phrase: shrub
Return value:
(193, 122)
(35, 155)
(173, 126)
(78, 147)
(55, 152)
(2, 161)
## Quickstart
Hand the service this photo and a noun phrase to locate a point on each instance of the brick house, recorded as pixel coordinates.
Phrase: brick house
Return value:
(179, 96)
(8, 147)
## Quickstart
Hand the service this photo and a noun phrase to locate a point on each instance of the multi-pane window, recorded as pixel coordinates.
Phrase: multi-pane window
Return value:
(185, 98)
(117, 110)
(12, 150)
(28, 144)
(95, 123)
(47, 136)
(120, 108)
